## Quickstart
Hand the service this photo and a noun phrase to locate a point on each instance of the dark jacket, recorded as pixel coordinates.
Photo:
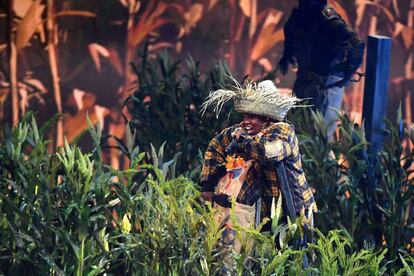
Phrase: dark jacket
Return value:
(320, 41)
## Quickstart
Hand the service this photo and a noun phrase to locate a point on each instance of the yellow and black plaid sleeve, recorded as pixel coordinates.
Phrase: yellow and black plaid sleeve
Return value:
(214, 158)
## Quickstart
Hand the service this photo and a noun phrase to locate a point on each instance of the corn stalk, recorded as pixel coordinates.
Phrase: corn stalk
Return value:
(252, 10)
(138, 30)
(13, 65)
(54, 70)
(233, 37)
(409, 67)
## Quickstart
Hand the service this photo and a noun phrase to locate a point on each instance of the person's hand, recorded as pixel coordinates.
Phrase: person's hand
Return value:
(207, 196)
(222, 200)
(238, 132)
(220, 171)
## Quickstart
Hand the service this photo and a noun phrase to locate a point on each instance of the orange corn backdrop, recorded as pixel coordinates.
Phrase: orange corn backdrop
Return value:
(73, 57)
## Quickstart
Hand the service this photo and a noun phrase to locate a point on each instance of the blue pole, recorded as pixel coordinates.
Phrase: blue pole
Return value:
(374, 112)
(376, 91)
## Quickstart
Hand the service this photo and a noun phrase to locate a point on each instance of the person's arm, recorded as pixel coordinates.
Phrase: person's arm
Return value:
(214, 164)
(288, 55)
(350, 44)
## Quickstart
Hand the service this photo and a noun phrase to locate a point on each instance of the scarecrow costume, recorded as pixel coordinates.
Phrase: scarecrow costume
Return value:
(254, 177)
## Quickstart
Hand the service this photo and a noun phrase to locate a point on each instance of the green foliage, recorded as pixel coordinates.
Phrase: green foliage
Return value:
(408, 265)
(50, 210)
(394, 194)
(333, 257)
(370, 201)
(68, 213)
(166, 107)
(335, 169)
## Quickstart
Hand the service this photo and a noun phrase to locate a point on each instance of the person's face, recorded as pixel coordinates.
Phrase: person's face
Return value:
(253, 124)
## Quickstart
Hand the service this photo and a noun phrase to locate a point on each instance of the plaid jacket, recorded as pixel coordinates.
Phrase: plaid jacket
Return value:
(276, 142)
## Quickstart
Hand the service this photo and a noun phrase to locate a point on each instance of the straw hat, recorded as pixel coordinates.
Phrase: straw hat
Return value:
(262, 99)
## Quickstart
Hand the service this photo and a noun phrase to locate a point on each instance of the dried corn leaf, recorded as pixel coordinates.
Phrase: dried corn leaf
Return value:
(157, 12)
(386, 11)
(360, 12)
(253, 19)
(398, 28)
(267, 65)
(141, 31)
(35, 84)
(265, 42)
(134, 7)
(148, 24)
(78, 98)
(115, 61)
(24, 99)
(101, 112)
(211, 4)
(81, 99)
(407, 34)
(73, 13)
(124, 3)
(21, 7)
(160, 45)
(268, 36)
(396, 8)
(192, 16)
(42, 34)
(4, 92)
(246, 7)
(29, 24)
(273, 18)
(77, 124)
(178, 8)
(96, 51)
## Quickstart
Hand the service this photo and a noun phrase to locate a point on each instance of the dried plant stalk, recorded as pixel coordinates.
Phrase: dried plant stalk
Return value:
(409, 74)
(13, 66)
(54, 71)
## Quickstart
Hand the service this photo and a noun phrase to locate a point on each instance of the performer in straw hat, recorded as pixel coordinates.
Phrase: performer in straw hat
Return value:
(262, 138)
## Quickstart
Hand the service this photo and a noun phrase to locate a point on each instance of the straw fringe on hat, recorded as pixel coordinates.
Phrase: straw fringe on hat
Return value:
(262, 99)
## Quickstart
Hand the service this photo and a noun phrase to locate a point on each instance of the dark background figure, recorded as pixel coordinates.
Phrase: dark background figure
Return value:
(326, 51)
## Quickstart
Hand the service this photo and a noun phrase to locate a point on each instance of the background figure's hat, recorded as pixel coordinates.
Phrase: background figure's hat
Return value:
(262, 99)
(320, 4)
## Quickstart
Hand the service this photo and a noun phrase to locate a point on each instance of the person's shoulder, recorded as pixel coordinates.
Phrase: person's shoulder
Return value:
(330, 13)
(332, 20)
(282, 128)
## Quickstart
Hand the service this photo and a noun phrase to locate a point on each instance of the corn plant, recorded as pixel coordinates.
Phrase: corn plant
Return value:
(50, 213)
(167, 103)
(394, 195)
(321, 168)
(408, 264)
(371, 214)
(332, 257)
(69, 213)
